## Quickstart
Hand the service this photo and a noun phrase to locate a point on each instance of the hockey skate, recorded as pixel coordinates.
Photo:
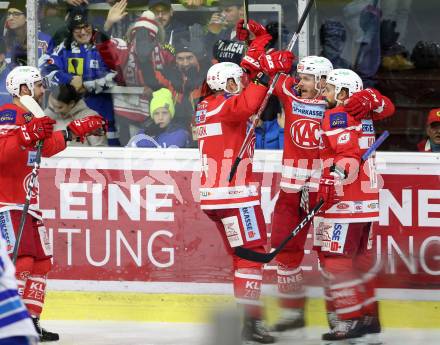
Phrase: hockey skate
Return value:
(372, 330)
(291, 319)
(254, 332)
(42, 333)
(345, 332)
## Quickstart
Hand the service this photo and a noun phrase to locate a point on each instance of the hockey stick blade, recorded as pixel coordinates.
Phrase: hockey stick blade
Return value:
(251, 255)
(251, 130)
(32, 105)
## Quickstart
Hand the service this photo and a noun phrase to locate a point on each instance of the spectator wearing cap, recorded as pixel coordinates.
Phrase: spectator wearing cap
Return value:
(432, 142)
(162, 131)
(65, 105)
(15, 35)
(173, 29)
(222, 24)
(185, 79)
(77, 62)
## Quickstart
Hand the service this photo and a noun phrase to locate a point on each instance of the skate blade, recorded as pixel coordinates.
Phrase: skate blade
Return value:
(354, 341)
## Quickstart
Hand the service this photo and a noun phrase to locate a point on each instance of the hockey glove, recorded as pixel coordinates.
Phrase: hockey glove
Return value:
(89, 125)
(276, 62)
(35, 130)
(361, 103)
(256, 49)
(327, 190)
(243, 34)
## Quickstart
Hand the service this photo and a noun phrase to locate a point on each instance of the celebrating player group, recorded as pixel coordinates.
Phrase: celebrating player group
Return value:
(328, 128)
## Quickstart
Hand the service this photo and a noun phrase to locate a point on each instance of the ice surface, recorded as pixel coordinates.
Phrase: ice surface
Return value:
(139, 333)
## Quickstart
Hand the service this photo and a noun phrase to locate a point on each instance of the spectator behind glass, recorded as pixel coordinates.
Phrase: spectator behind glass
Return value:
(185, 79)
(269, 133)
(162, 131)
(5, 68)
(432, 142)
(173, 29)
(77, 62)
(137, 62)
(65, 105)
(222, 24)
(15, 34)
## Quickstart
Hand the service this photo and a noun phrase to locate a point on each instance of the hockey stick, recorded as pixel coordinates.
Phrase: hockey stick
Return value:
(251, 255)
(246, 19)
(268, 94)
(31, 105)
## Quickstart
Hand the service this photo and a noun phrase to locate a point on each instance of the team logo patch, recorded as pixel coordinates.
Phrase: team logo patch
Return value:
(232, 230)
(367, 126)
(344, 138)
(75, 66)
(200, 116)
(250, 224)
(305, 133)
(28, 117)
(31, 158)
(7, 116)
(338, 120)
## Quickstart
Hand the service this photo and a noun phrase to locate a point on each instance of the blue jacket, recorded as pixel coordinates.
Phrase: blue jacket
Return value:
(84, 60)
(270, 136)
(173, 136)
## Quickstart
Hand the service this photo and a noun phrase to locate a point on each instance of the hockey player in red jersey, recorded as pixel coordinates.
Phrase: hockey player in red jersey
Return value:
(19, 133)
(304, 109)
(349, 189)
(221, 122)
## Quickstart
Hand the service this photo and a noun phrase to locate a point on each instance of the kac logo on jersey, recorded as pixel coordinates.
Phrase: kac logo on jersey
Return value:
(26, 185)
(305, 133)
(338, 120)
(250, 225)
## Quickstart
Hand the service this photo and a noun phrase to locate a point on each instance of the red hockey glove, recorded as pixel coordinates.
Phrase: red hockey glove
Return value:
(327, 191)
(243, 34)
(277, 62)
(35, 130)
(256, 49)
(361, 103)
(89, 125)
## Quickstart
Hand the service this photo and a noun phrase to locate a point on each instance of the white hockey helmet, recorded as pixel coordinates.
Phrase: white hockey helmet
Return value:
(345, 78)
(316, 65)
(20, 75)
(218, 75)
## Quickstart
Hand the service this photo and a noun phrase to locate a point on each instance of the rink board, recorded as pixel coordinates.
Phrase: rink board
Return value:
(132, 215)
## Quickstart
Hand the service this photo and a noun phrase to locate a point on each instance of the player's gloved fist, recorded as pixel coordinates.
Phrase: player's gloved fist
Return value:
(89, 125)
(277, 62)
(256, 49)
(361, 103)
(256, 28)
(327, 190)
(35, 130)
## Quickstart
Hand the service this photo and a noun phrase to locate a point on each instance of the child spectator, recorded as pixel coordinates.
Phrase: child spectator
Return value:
(162, 131)
(66, 105)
